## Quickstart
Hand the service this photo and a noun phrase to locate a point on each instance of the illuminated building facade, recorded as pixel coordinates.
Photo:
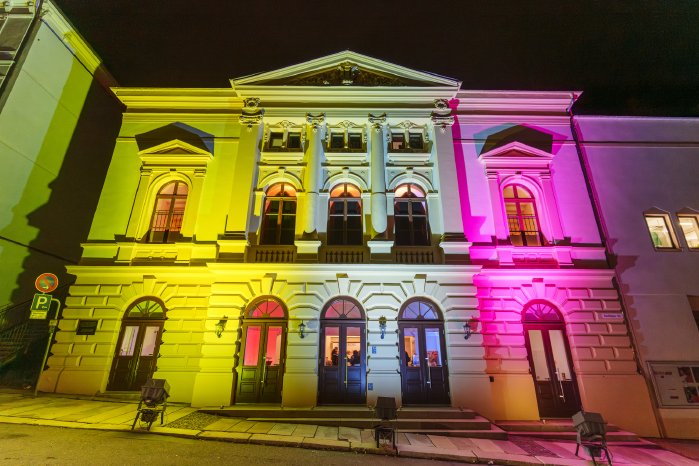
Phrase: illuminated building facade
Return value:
(343, 229)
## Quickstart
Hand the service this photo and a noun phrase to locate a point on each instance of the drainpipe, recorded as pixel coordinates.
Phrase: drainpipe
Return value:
(616, 282)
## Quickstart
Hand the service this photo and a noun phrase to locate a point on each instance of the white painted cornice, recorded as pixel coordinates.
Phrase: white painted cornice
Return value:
(347, 95)
(516, 101)
(172, 99)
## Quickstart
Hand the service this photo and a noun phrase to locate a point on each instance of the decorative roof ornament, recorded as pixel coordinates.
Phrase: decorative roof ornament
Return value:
(442, 115)
(252, 113)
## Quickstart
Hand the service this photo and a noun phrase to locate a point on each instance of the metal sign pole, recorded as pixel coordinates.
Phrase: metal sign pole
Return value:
(53, 324)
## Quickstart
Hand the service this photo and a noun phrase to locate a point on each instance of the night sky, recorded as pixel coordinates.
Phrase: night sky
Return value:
(630, 57)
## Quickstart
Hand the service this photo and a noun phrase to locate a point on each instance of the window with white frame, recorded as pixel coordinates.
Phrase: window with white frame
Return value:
(407, 140)
(660, 230)
(279, 218)
(341, 140)
(410, 216)
(690, 229)
(281, 140)
(168, 212)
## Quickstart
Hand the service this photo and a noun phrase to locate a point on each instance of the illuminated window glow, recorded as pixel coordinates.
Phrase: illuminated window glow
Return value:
(690, 229)
(168, 212)
(660, 233)
(279, 220)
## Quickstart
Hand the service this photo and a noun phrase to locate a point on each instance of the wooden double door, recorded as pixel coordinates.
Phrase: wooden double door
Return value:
(136, 354)
(342, 363)
(552, 369)
(261, 365)
(424, 371)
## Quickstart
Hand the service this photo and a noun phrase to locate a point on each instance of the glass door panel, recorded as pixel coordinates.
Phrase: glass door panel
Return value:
(538, 355)
(342, 369)
(411, 346)
(252, 346)
(150, 340)
(128, 340)
(353, 345)
(560, 358)
(433, 347)
(274, 346)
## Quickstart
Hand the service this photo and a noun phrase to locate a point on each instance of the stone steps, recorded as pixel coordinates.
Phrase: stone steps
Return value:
(562, 429)
(447, 421)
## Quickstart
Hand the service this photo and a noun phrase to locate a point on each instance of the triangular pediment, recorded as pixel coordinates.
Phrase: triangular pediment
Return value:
(515, 150)
(175, 152)
(174, 147)
(346, 69)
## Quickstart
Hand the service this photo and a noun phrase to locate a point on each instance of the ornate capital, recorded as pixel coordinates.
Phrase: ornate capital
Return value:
(441, 120)
(315, 121)
(377, 122)
(251, 117)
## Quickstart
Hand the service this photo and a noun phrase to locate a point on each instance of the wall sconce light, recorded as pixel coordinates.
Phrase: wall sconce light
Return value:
(470, 327)
(302, 330)
(221, 326)
(382, 326)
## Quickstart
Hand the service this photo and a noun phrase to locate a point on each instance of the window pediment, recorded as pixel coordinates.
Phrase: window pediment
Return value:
(516, 155)
(175, 153)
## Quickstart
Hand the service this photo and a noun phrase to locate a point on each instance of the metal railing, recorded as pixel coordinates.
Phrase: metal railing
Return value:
(524, 230)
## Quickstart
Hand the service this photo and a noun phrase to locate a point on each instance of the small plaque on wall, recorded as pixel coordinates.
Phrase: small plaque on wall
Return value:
(87, 327)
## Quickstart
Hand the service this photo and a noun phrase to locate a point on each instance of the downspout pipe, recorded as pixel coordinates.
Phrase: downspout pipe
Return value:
(616, 282)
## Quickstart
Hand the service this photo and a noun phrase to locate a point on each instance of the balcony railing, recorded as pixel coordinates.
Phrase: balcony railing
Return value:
(344, 254)
(524, 230)
(165, 226)
(416, 255)
(278, 253)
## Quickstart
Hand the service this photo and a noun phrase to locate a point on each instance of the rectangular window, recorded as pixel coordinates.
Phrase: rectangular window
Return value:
(690, 229)
(659, 229)
(355, 141)
(276, 140)
(337, 141)
(294, 141)
(415, 141)
(397, 141)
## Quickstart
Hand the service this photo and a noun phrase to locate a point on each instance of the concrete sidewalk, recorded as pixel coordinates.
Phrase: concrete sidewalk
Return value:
(183, 421)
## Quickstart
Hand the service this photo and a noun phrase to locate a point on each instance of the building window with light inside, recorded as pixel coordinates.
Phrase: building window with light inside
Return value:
(345, 215)
(407, 141)
(279, 217)
(690, 230)
(168, 212)
(522, 218)
(661, 233)
(410, 216)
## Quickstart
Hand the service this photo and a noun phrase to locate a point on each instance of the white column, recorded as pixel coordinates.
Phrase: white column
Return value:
(379, 221)
(314, 170)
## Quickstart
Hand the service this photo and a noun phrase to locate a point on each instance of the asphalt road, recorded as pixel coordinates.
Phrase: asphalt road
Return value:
(38, 445)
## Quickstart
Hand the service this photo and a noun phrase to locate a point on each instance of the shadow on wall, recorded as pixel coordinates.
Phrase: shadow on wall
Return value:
(64, 220)
(539, 139)
(178, 130)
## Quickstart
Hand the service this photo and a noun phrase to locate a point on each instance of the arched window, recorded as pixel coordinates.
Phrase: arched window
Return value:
(419, 309)
(267, 309)
(342, 308)
(410, 216)
(345, 215)
(522, 219)
(170, 202)
(538, 311)
(279, 221)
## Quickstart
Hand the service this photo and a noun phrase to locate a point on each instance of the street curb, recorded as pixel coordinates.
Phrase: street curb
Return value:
(266, 439)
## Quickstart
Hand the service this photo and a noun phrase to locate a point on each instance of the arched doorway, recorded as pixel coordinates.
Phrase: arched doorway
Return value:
(549, 360)
(342, 362)
(263, 353)
(425, 376)
(136, 352)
